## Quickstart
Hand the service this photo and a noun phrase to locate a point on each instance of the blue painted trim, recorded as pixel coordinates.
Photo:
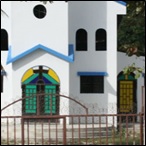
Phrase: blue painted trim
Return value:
(92, 73)
(121, 2)
(71, 51)
(143, 75)
(69, 58)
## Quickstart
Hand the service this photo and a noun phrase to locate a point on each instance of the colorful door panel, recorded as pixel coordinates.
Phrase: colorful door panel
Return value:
(126, 96)
(43, 83)
(50, 100)
(31, 101)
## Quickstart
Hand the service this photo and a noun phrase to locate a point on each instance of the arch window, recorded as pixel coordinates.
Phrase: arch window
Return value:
(4, 40)
(101, 40)
(81, 40)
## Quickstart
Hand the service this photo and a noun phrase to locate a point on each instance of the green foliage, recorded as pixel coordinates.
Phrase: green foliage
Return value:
(132, 69)
(131, 33)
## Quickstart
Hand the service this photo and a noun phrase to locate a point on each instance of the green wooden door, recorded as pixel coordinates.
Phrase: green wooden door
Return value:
(50, 100)
(31, 101)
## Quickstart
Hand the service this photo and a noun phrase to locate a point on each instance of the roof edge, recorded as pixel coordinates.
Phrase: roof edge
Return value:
(69, 58)
(122, 3)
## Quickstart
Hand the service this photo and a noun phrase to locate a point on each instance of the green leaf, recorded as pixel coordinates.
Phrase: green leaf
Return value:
(140, 70)
(125, 70)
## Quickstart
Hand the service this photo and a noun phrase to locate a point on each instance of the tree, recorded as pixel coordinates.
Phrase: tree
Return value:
(131, 33)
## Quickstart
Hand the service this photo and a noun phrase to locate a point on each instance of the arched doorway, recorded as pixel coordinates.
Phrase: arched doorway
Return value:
(126, 93)
(40, 83)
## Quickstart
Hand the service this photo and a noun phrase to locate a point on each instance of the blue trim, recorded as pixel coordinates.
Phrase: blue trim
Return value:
(143, 75)
(121, 2)
(71, 51)
(69, 58)
(92, 73)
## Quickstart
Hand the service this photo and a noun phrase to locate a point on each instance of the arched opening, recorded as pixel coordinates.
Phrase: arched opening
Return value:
(81, 40)
(40, 84)
(101, 40)
(126, 94)
(4, 40)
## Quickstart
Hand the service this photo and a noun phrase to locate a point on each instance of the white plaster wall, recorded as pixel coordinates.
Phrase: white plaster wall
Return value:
(117, 7)
(36, 58)
(28, 31)
(124, 61)
(92, 16)
(86, 15)
(113, 9)
(6, 18)
(6, 95)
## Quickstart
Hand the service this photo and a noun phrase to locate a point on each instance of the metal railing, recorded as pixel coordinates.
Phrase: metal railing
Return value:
(25, 130)
(80, 128)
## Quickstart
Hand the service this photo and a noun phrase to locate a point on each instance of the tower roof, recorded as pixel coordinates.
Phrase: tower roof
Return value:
(121, 2)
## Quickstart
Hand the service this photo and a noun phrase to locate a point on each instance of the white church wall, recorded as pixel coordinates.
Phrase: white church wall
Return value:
(113, 9)
(6, 95)
(52, 30)
(6, 16)
(96, 14)
(90, 60)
